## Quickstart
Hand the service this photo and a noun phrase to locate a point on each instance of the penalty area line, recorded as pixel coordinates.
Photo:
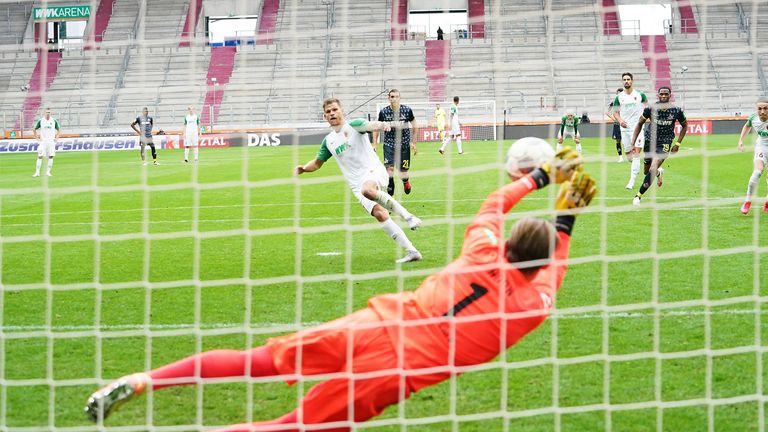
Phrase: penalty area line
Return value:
(218, 326)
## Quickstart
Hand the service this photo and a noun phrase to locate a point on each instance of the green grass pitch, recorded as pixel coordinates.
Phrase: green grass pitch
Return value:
(118, 246)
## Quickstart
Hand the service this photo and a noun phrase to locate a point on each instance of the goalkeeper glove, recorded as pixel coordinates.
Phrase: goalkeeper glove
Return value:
(565, 164)
(576, 193)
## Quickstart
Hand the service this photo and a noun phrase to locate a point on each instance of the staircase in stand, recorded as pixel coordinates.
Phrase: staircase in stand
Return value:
(437, 64)
(656, 60)
(221, 66)
(41, 79)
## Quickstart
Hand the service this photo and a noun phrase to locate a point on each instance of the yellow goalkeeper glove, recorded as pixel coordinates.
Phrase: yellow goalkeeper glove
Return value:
(576, 193)
(565, 164)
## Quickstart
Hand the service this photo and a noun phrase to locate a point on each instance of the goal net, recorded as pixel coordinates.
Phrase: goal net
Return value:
(110, 267)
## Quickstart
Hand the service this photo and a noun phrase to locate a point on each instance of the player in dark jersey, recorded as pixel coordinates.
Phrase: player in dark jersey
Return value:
(398, 140)
(659, 137)
(616, 134)
(145, 124)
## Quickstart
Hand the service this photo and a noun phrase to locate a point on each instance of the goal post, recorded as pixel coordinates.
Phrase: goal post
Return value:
(477, 119)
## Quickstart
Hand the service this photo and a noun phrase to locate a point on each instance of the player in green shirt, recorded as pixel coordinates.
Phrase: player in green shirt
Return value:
(569, 126)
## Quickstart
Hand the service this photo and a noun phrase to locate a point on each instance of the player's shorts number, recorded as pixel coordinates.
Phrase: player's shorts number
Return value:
(666, 147)
(760, 155)
(406, 164)
(477, 292)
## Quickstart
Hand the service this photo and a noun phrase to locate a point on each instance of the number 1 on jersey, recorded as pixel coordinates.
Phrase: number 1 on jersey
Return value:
(477, 292)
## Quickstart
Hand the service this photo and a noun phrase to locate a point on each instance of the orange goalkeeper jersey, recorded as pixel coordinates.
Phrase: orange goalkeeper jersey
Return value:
(476, 307)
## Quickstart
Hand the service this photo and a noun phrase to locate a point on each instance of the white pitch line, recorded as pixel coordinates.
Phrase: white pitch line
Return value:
(218, 326)
(328, 253)
(332, 203)
(646, 207)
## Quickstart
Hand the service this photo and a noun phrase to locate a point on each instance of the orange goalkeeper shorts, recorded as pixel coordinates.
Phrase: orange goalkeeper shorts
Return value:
(359, 359)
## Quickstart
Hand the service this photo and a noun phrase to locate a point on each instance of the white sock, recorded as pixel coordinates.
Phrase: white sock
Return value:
(458, 143)
(445, 143)
(196, 152)
(186, 153)
(558, 147)
(393, 230)
(578, 148)
(37, 165)
(50, 164)
(392, 205)
(752, 185)
(635, 168)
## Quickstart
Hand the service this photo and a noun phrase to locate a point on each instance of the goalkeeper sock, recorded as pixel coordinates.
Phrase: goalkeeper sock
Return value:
(38, 164)
(196, 152)
(390, 204)
(458, 144)
(752, 185)
(214, 364)
(186, 153)
(398, 235)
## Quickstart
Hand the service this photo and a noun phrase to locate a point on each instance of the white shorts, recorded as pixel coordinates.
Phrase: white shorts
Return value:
(46, 149)
(379, 176)
(568, 133)
(191, 141)
(455, 128)
(761, 153)
(626, 137)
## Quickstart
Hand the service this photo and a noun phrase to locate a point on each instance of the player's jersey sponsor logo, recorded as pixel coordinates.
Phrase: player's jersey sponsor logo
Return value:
(340, 149)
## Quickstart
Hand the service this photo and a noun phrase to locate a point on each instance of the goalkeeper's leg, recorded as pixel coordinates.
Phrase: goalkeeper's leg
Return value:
(258, 362)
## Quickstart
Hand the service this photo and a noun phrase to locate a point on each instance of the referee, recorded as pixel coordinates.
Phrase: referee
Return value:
(397, 141)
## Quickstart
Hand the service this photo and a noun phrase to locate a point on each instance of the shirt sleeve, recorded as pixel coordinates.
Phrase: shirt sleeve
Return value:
(681, 116)
(185, 120)
(56, 124)
(643, 97)
(37, 124)
(483, 237)
(198, 120)
(323, 154)
(359, 125)
(616, 105)
(411, 117)
(381, 115)
(749, 120)
(562, 125)
(135, 122)
(647, 112)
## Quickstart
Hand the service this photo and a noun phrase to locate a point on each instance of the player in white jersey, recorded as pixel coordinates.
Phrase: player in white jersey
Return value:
(191, 133)
(348, 142)
(455, 132)
(47, 132)
(628, 106)
(758, 122)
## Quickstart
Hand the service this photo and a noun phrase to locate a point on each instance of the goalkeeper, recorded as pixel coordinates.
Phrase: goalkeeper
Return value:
(497, 291)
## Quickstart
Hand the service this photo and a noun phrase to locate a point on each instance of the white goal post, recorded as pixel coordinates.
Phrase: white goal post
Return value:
(477, 118)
